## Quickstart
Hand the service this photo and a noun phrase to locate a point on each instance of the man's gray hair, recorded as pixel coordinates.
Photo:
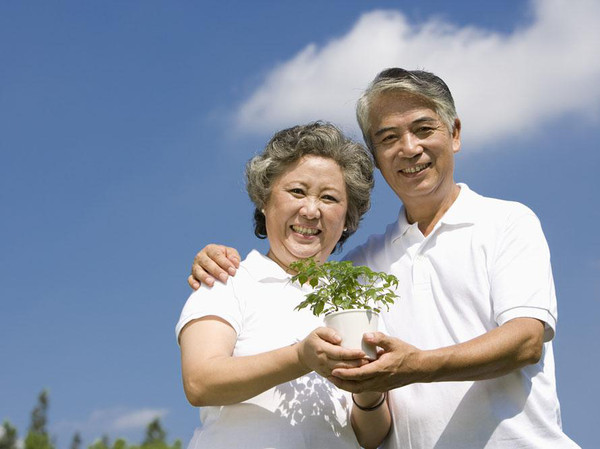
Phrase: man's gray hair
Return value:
(315, 139)
(426, 85)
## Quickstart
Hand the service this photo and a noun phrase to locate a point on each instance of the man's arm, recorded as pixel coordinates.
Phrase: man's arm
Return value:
(213, 262)
(515, 344)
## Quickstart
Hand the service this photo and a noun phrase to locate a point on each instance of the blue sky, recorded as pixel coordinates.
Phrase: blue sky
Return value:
(125, 127)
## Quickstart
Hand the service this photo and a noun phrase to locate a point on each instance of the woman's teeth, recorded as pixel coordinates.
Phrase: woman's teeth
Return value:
(305, 231)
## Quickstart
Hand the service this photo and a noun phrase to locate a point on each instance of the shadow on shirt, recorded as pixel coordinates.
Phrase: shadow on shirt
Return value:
(312, 397)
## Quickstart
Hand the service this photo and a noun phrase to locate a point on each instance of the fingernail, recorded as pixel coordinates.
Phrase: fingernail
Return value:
(210, 282)
(223, 277)
(231, 271)
(369, 335)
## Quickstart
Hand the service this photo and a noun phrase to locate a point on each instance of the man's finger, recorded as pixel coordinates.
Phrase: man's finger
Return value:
(193, 283)
(379, 339)
(362, 373)
(234, 257)
(345, 354)
(205, 267)
(214, 259)
(345, 364)
(346, 385)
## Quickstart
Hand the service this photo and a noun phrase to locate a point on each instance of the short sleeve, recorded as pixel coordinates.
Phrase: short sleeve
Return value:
(220, 300)
(521, 276)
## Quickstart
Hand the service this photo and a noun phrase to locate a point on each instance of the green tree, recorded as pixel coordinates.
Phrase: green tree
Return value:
(155, 434)
(156, 438)
(8, 436)
(102, 443)
(120, 443)
(39, 415)
(37, 437)
(76, 441)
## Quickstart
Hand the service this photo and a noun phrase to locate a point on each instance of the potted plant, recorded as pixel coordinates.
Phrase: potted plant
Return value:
(350, 296)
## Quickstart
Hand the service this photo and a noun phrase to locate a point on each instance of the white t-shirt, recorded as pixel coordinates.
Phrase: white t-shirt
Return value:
(306, 413)
(485, 263)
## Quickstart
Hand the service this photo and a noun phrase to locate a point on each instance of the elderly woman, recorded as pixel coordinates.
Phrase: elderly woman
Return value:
(254, 364)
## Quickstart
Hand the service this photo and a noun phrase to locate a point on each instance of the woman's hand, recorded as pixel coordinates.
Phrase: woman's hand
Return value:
(321, 352)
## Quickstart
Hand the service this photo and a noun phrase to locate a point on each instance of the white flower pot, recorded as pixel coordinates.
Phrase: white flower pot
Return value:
(351, 325)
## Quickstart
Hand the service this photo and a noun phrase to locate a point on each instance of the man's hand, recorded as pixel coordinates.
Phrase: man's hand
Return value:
(397, 365)
(213, 262)
(515, 344)
(321, 352)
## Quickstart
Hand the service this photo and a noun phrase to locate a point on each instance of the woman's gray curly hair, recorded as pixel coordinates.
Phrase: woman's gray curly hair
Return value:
(315, 139)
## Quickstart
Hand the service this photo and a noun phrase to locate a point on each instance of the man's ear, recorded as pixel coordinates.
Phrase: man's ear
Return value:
(373, 153)
(456, 136)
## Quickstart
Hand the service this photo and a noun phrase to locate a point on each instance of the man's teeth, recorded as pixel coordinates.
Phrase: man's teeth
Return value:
(305, 231)
(415, 169)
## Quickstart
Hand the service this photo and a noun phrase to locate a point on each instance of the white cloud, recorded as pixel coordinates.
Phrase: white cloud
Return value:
(137, 419)
(503, 84)
(111, 421)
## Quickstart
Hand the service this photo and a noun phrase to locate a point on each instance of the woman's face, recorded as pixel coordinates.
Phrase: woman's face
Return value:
(306, 211)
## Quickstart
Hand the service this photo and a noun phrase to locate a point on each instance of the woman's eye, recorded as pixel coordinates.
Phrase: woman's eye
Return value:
(330, 198)
(296, 191)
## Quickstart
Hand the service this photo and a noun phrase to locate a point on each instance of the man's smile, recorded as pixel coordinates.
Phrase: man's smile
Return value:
(416, 169)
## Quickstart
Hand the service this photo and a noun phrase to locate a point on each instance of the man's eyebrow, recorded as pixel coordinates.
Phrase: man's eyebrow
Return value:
(425, 119)
(383, 130)
(416, 121)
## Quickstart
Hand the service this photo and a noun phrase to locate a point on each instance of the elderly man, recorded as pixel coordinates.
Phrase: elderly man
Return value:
(468, 362)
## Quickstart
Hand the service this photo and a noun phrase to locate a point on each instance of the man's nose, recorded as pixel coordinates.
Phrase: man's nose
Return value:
(410, 146)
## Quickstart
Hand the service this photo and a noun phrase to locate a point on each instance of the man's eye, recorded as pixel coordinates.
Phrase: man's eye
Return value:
(424, 130)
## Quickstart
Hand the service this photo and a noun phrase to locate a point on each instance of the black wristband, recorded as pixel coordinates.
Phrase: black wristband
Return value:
(373, 407)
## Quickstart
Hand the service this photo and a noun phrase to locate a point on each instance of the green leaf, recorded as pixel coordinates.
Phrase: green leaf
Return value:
(342, 285)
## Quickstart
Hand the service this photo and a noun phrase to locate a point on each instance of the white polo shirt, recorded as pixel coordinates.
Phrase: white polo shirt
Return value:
(306, 413)
(485, 263)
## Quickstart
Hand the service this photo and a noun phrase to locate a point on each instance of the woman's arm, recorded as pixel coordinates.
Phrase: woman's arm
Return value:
(212, 376)
(371, 418)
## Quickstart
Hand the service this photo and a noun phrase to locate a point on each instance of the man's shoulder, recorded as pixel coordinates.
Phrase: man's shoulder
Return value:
(370, 250)
(491, 209)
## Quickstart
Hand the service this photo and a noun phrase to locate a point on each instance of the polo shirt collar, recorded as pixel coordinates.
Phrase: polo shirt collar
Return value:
(262, 268)
(461, 212)
(402, 225)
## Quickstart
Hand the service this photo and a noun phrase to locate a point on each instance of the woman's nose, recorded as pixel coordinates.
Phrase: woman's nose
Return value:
(310, 208)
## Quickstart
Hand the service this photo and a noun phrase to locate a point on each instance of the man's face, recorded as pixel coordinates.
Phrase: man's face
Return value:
(414, 149)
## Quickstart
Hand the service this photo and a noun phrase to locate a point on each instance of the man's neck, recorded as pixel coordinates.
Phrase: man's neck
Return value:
(429, 212)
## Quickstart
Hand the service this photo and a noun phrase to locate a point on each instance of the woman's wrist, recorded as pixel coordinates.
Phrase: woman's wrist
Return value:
(369, 401)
